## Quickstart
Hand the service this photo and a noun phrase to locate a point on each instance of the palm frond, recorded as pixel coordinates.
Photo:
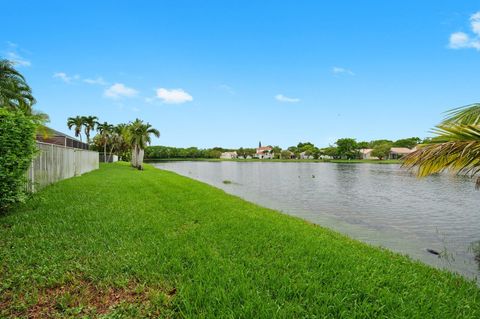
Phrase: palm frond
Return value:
(455, 148)
(465, 115)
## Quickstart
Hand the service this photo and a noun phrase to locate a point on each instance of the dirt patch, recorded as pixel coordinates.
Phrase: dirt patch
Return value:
(82, 298)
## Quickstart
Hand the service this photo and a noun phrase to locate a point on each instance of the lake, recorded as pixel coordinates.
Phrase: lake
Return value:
(380, 204)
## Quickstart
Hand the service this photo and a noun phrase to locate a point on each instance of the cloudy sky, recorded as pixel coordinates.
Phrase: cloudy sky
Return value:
(231, 73)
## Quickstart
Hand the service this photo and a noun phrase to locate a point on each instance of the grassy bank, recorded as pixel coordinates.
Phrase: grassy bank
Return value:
(153, 160)
(119, 241)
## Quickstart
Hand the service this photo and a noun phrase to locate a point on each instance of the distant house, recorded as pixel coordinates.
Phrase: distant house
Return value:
(399, 152)
(228, 155)
(52, 136)
(366, 153)
(303, 155)
(264, 152)
(395, 153)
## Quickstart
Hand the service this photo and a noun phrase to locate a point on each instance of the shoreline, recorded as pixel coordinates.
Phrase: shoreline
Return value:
(203, 251)
(339, 161)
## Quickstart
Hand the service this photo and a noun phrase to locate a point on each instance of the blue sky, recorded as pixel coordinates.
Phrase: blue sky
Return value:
(231, 73)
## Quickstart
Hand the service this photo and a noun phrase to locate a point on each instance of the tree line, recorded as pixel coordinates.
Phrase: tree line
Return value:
(127, 140)
(347, 148)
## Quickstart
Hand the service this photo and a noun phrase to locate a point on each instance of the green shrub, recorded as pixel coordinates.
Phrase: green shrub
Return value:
(17, 148)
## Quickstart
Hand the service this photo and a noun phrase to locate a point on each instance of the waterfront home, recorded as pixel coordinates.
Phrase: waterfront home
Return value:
(366, 153)
(395, 153)
(264, 152)
(303, 155)
(399, 152)
(228, 155)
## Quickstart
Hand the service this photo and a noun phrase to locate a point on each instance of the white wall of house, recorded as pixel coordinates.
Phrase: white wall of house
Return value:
(228, 155)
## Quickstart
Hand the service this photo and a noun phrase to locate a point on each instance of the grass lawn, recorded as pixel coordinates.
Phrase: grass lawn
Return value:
(122, 243)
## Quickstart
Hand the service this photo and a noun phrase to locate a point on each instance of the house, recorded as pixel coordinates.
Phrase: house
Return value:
(228, 155)
(264, 152)
(52, 136)
(303, 155)
(399, 152)
(366, 153)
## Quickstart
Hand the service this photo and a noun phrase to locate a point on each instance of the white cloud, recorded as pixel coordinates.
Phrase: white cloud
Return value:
(13, 55)
(339, 70)
(462, 40)
(98, 81)
(119, 90)
(286, 99)
(173, 96)
(62, 76)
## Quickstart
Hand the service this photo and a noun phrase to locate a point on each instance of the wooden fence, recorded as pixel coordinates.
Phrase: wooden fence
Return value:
(54, 163)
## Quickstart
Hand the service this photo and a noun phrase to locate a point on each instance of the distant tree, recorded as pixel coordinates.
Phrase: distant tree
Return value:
(374, 143)
(286, 154)
(347, 148)
(105, 130)
(77, 123)
(303, 146)
(331, 151)
(89, 122)
(363, 145)
(381, 150)
(407, 142)
(276, 151)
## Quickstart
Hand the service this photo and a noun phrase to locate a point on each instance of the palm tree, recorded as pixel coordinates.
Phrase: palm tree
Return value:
(105, 131)
(77, 123)
(456, 146)
(139, 137)
(89, 122)
(15, 94)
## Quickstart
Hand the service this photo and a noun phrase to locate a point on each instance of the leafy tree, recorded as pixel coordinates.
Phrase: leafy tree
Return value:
(17, 145)
(89, 122)
(77, 123)
(374, 143)
(407, 142)
(277, 150)
(456, 146)
(303, 146)
(347, 148)
(286, 154)
(382, 150)
(331, 151)
(363, 145)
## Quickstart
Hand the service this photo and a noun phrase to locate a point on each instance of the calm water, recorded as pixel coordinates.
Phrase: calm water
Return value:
(380, 204)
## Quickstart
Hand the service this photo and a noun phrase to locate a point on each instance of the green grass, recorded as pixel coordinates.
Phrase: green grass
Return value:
(355, 161)
(165, 245)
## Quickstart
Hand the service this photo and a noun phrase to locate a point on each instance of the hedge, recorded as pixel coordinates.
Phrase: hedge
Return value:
(17, 149)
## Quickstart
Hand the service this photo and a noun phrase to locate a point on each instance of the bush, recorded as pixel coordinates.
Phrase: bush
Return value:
(17, 148)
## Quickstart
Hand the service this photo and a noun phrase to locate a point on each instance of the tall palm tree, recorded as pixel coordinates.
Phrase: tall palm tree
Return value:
(15, 94)
(89, 122)
(456, 146)
(77, 123)
(139, 137)
(105, 129)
